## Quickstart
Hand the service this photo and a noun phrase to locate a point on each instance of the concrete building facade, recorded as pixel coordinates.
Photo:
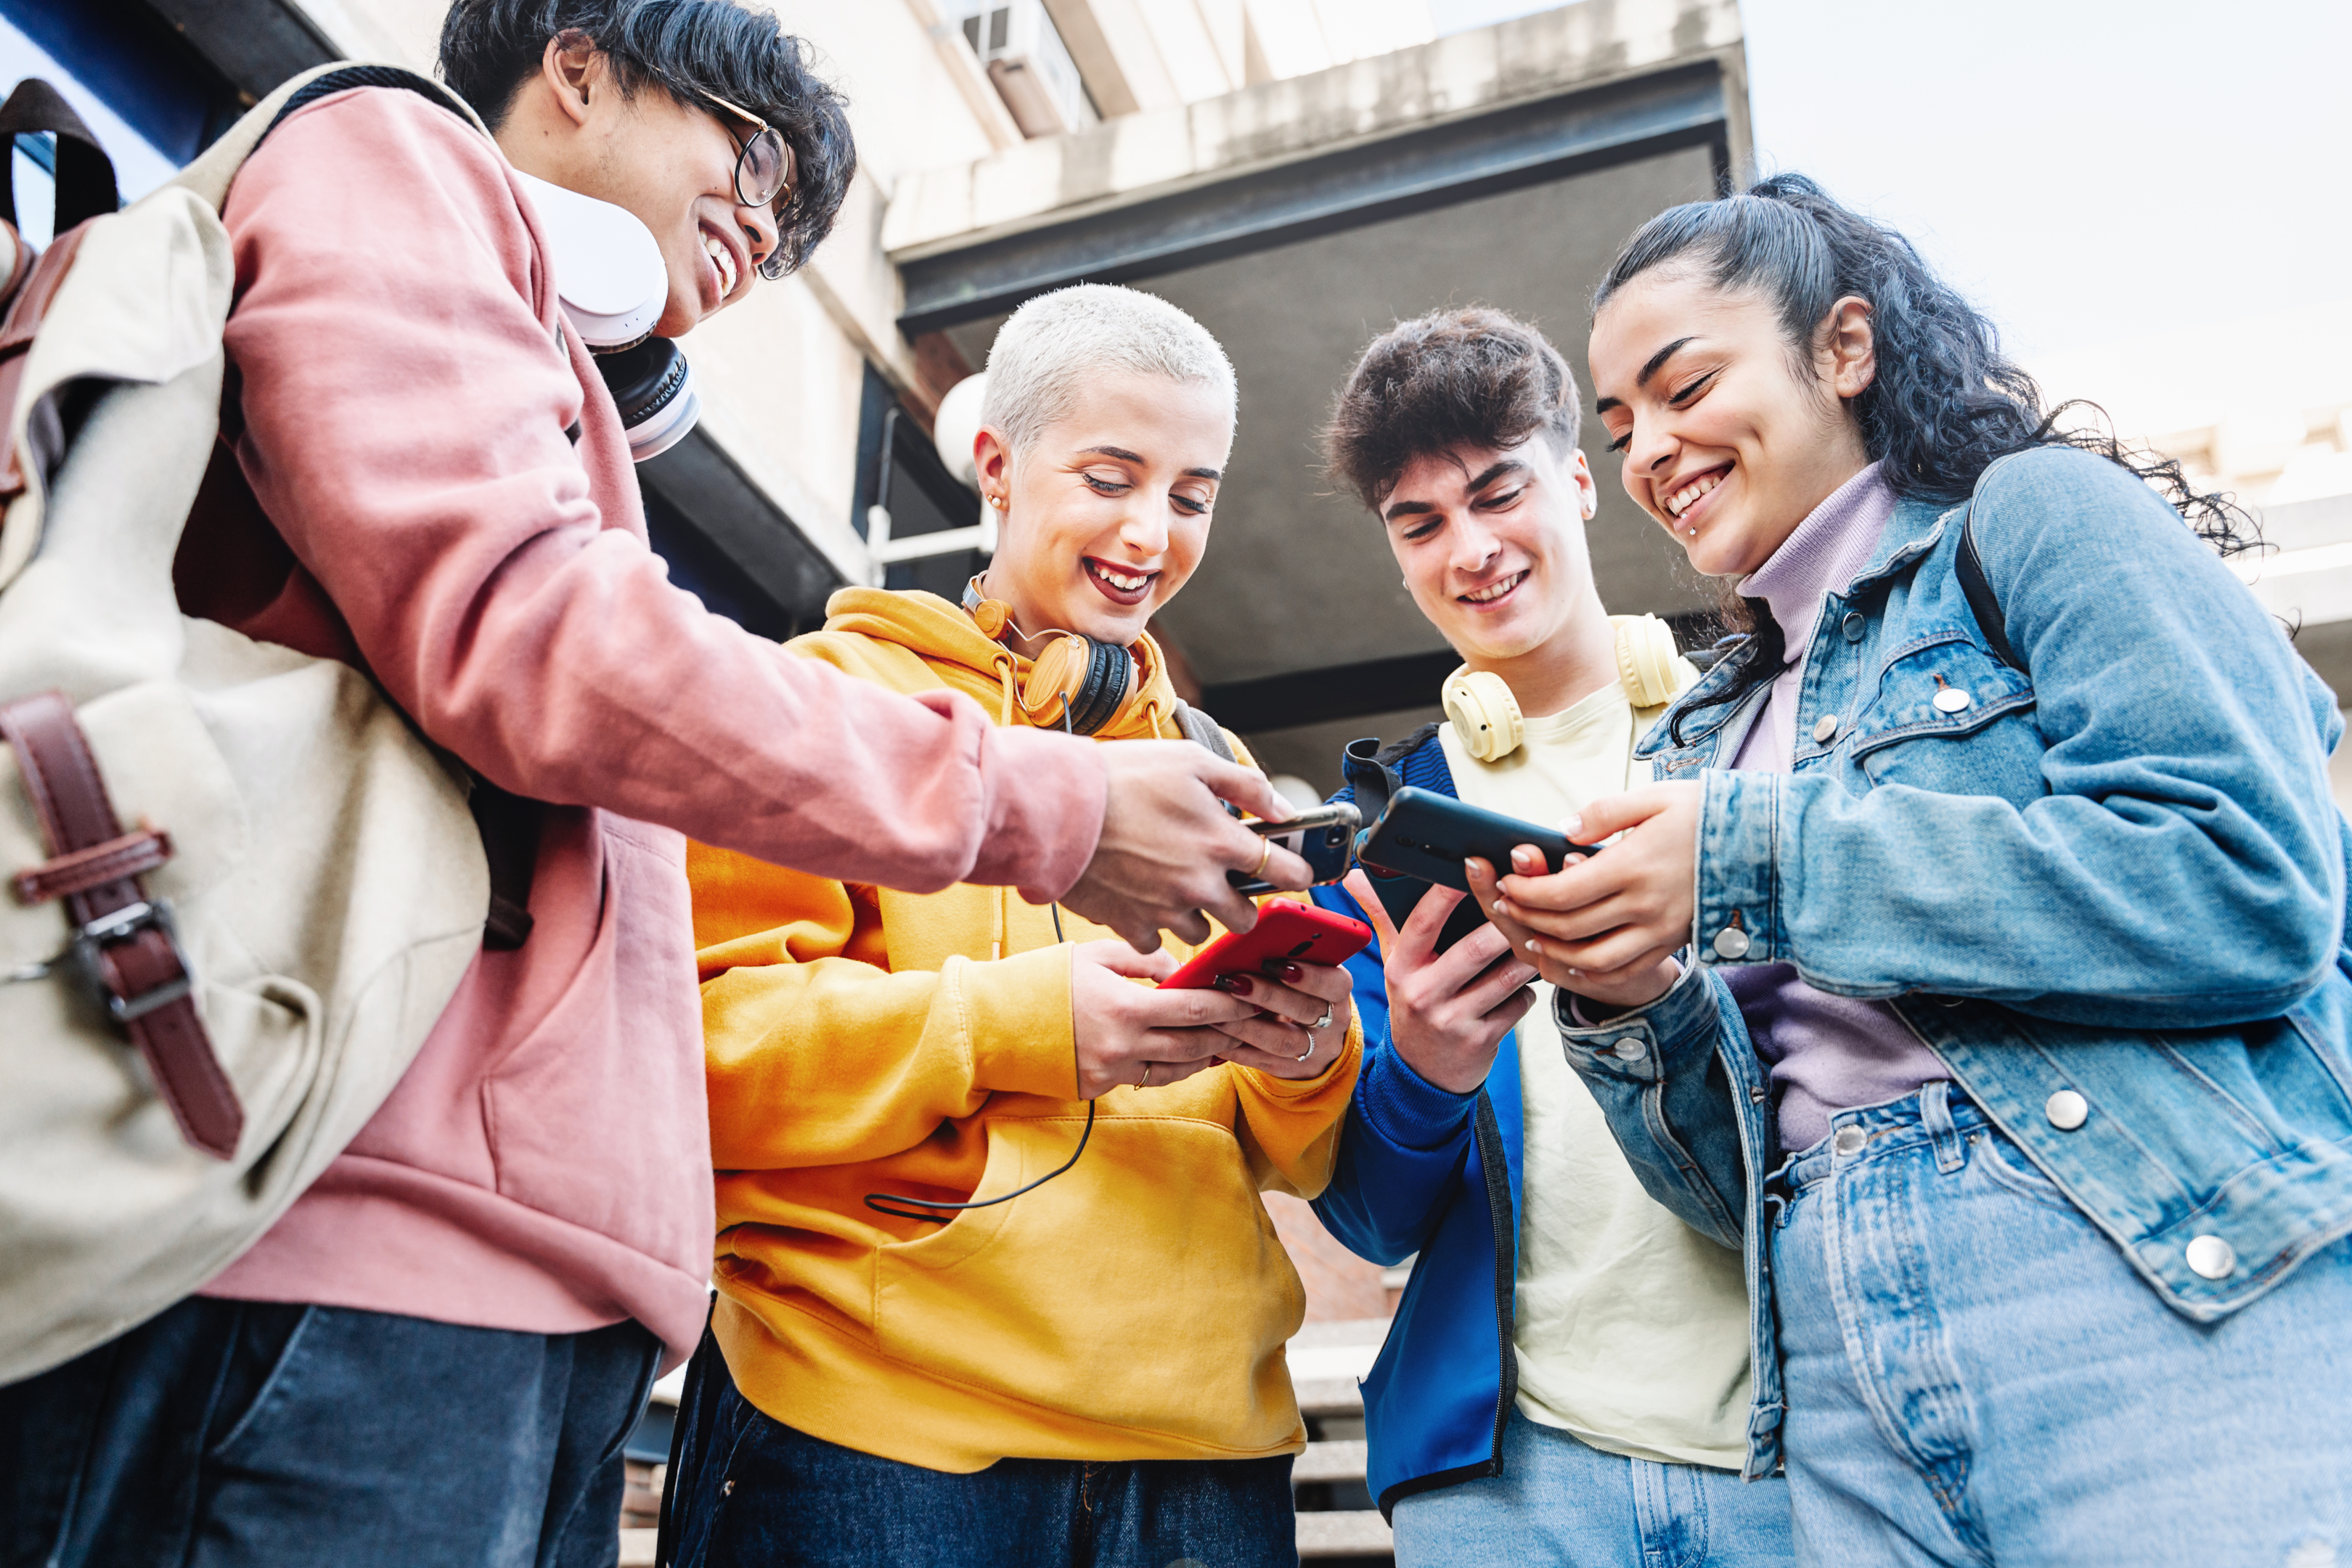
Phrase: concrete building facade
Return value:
(1296, 172)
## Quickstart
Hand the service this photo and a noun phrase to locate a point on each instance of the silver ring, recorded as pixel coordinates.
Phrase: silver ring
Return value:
(1308, 1052)
(1145, 1082)
(1322, 1023)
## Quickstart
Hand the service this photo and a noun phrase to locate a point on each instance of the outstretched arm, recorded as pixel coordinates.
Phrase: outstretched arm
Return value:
(406, 400)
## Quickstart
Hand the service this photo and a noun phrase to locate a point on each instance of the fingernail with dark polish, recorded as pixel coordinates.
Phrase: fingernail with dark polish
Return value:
(1239, 985)
(1292, 974)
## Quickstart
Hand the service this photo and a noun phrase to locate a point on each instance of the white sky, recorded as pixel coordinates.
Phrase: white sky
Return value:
(2088, 171)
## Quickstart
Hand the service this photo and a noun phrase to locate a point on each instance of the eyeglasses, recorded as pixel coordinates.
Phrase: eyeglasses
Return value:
(763, 175)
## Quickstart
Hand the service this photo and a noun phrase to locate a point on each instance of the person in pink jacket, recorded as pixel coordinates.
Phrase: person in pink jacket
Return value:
(434, 1357)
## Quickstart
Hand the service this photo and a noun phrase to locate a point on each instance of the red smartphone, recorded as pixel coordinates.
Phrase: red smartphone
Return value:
(1299, 933)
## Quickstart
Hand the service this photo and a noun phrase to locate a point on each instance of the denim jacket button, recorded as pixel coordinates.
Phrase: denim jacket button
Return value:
(1851, 626)
(1849, 1141)
(1952, 700)
(1629, 1049)
(1825, 729)
(2066, 1110)
(1731, 942)
(2211, 1258)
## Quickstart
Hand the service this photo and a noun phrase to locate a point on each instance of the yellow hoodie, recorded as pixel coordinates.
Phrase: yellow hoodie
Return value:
(864, 1040)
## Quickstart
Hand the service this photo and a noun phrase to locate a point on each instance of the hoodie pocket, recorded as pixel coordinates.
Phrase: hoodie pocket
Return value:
(1145, 1289)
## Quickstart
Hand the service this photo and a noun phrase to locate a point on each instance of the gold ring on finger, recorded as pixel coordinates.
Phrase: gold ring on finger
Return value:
(1263, 855)
(1145, 1082)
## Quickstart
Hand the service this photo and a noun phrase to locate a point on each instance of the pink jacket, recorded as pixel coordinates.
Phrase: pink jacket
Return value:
(404, 392)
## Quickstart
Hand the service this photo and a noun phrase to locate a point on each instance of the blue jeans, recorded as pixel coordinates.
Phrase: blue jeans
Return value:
(235, 1435)
(1975, 1376)
(1562, 1502)
(748, 1491)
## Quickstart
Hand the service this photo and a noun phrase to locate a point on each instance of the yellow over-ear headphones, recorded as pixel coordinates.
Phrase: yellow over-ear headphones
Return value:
(1077, 681)
(1485, 715)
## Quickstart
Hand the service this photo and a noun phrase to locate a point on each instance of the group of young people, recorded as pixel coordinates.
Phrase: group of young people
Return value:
(1919, 1132)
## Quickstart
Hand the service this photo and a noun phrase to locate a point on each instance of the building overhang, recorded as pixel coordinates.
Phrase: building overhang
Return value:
(1295, 220)
(1454, 161)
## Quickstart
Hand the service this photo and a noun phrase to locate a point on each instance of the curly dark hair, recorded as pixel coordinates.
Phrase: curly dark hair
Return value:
(1472, 377)
(691, 49)
(1945, 404)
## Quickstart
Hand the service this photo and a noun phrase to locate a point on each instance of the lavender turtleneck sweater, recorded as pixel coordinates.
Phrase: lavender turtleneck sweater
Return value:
(1826, 1053)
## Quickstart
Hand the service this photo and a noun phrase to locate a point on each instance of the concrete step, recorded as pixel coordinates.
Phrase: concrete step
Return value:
(1337, 1461)
(1351, 1534)
(1326, 1397)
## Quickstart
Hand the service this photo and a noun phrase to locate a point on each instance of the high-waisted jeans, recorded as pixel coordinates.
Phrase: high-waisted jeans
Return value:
(1975, 1375)
(1559, 1503)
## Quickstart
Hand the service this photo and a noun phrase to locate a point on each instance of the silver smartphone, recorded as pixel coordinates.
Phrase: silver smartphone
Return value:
(1320, 836)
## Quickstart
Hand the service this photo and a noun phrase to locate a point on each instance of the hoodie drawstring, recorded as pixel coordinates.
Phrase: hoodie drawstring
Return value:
(1003, 663)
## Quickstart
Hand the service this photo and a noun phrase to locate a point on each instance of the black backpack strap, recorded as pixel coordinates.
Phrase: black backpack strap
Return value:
(509, 824)
(1984, 603)
(1371, 774)
(1202, 731)
(85, 174)
(364, 76)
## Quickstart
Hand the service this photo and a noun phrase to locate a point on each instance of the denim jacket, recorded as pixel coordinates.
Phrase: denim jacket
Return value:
(2116, 871)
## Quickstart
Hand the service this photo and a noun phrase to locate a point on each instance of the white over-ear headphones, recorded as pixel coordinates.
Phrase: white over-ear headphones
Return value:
(612, 282)
(1486, 716)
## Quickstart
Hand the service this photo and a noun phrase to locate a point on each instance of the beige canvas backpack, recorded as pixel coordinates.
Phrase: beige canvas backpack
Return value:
(242, 888)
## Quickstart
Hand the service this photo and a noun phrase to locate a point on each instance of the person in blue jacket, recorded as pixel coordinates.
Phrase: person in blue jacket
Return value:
(2009, 898)
(1569, 1375)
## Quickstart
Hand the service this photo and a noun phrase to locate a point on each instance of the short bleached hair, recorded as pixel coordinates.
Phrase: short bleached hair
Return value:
(1044, 352)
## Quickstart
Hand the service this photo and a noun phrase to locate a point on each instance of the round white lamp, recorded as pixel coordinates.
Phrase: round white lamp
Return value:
(956, 426)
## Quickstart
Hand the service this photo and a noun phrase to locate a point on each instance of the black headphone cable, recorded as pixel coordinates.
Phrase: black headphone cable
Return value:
(880, 1201)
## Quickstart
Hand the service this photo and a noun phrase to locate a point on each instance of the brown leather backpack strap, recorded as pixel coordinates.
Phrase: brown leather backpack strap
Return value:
(123, 940)
(26, 311)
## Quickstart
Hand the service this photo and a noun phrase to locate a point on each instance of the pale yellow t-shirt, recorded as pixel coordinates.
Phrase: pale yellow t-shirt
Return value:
(1632, 1327)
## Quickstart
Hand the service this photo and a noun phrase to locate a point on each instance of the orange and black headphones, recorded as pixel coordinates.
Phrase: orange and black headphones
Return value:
(1077, 682)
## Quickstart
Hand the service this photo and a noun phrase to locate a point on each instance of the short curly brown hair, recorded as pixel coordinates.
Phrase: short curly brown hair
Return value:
(1474, 377)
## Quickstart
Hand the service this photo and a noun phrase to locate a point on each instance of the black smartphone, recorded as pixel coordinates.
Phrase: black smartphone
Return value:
(1426, 834)
(1423, 838)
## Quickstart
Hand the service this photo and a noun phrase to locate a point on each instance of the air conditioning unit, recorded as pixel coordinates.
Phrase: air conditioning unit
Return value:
(1031, 68)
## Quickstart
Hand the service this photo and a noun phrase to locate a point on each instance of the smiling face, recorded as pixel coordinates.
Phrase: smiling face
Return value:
(1108, 511)
(1728, 442)
(1491, 542)
(670, 164)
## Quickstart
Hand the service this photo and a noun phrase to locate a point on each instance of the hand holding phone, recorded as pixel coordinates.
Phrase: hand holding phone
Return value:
(1448, 1011)
(1285, 933)
(1320, 836)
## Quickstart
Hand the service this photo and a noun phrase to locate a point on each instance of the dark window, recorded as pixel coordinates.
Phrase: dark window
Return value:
(916, 488)
(699, 567)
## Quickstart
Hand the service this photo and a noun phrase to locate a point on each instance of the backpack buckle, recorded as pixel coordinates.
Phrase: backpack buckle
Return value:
(125, 923)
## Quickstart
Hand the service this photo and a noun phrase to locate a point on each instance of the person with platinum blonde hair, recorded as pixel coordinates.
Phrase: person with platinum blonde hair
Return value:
(1045, 351)
(995, 1284)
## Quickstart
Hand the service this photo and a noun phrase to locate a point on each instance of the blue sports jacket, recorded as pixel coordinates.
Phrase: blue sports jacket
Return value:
(1424, 1171)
